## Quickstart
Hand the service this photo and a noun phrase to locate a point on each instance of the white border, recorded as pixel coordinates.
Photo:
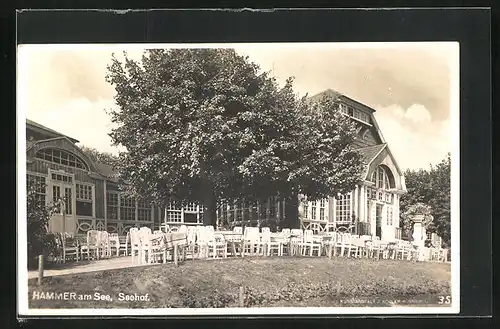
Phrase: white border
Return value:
(22, 273)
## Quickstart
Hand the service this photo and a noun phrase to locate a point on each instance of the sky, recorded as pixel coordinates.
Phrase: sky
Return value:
(409, 85)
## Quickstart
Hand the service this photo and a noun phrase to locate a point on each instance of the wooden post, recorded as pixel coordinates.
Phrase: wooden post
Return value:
(242, 296)
(338, 288)
(176, 262)
(40, 269)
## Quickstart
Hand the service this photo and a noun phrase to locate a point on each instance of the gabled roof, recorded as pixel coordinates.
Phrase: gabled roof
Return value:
(41, 128)
(369, 153)
(331, 92)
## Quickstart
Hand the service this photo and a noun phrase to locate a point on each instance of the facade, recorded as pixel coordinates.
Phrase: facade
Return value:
(61, 171)
(372, 208)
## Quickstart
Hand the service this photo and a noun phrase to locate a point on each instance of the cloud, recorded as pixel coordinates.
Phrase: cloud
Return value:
(418, 113)
(415, 140)
(64, 88)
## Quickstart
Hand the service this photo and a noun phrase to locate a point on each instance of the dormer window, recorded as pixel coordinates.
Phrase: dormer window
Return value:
(355, 113)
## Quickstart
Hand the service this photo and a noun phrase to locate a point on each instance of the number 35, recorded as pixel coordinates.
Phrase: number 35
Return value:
(444, 299)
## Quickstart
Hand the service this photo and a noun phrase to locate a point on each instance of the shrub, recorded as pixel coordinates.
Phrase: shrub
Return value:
(40, 242)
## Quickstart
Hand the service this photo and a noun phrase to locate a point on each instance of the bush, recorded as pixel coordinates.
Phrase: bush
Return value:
(40, 242)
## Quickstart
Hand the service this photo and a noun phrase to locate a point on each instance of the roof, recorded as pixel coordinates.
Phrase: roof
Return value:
(49, 131)
(368, 153)
(106, 170)
(331, 92)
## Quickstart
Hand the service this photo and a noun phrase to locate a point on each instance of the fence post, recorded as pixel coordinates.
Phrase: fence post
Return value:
(40, 269)
(242, 296)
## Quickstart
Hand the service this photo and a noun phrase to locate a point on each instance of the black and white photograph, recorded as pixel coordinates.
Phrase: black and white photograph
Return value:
(238, 178)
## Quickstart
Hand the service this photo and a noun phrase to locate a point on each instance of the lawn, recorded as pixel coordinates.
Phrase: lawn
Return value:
(267, 282)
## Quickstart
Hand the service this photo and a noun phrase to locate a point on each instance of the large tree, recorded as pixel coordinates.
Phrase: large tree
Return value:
(99, 156)
(205, 125)
(431, 187)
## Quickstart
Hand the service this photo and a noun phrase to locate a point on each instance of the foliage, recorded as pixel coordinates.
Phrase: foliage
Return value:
(98, 156)
(204, 125)
(431, 187)
(40, 242)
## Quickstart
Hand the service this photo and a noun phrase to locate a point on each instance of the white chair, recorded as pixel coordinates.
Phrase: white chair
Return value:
(124, 244)
(183, 229)
(269, 245)
(215, 243)
(105, 245)
(251, 240)
(68, 246)
(308, 244)
(238, 229)
(191, 239)
(135, 243)
(202, 241)
(155, 247)
(296, 237)
(91, 246)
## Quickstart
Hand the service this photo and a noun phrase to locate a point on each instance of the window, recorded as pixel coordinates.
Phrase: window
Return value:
(174, 216)
(112, 204)
(230, 212)
(313, 210)
(362, 116)
(343, 108)
(68, 204)
(322, 209)
(127, 208)
(343, 208)
(272, 207)
(38, 184)
(61, 157)
(84, 200)
(306, 209)
(238, 210)
(144, 212)
(381, 178)
(389, 216)
(60, 177)
(254, 210)
(191, 207)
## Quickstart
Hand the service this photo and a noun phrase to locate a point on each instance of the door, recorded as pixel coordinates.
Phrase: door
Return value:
(63, 219)
(378, 220)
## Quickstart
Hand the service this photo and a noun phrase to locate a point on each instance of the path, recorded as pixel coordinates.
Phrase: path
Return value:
(97, 265)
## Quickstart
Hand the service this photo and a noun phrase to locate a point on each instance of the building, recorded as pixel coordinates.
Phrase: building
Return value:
(373, 206)
(61, 170)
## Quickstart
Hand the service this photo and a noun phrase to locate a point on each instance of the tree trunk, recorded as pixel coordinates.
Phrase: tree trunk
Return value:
(210, 211)
(292, 211)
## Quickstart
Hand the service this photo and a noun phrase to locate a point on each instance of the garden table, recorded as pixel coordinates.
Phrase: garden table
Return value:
(234, 239)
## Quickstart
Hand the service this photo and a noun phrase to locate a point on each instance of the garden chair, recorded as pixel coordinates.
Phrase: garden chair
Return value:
(296, 236)
(191, 239)
(251, 240)
(104, 244)
(267, 245)
(202, 241)
(91, 247)
(135, 243)
(308, 244)
(215, 243)
(114, 241)
(183, 229)
(68, 247)
(123, 244)
(155, 247)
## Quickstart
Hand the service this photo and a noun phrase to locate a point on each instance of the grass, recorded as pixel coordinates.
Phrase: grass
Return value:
(267, 282)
